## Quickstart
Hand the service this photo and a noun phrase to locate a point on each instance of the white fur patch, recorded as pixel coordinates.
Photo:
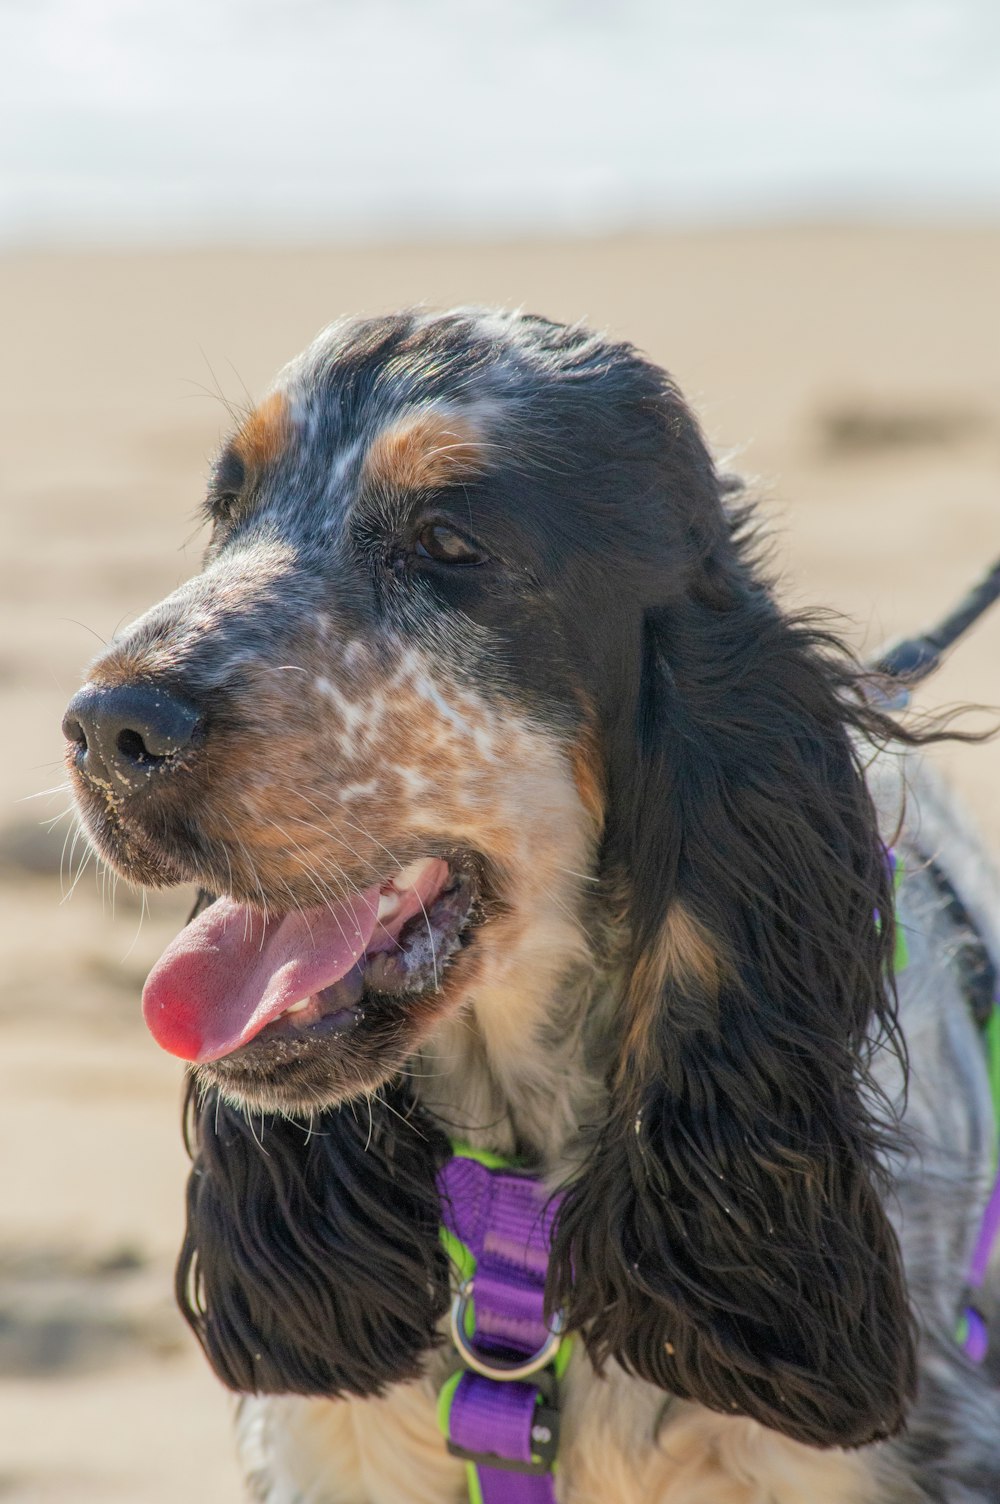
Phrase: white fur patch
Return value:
(389, 1451)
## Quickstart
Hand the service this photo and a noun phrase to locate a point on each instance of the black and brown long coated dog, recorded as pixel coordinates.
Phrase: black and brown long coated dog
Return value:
(530, 818)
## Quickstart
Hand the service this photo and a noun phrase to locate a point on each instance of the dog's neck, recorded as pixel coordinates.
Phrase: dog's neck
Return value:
(522, 1069)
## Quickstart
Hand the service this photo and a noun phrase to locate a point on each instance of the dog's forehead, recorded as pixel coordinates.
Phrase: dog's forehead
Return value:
(395, 405)
(360, 375)
(414, 356)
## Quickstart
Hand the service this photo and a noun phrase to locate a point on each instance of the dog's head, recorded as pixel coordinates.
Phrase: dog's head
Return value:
(372, 723)
(477, 637)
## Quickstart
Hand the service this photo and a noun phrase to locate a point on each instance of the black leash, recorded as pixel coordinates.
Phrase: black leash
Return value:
(911, 659)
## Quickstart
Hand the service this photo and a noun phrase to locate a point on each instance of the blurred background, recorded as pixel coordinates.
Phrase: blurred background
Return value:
(794, 205)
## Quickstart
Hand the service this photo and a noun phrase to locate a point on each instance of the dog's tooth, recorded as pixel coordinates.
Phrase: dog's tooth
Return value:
(411, 875)
(388, 906)
(298, 1007)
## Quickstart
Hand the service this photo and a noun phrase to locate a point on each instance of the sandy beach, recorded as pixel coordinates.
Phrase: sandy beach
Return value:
(854, 373)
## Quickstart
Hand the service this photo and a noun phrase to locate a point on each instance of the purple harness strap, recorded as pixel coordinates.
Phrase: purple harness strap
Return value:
(976, 1340)
(505, 1427)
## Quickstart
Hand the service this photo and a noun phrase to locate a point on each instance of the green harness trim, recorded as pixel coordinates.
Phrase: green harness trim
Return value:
(901, 951)
(992, 1033)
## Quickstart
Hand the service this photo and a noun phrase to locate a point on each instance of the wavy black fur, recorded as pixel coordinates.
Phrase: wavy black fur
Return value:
(311, 1262)
(726, 1239)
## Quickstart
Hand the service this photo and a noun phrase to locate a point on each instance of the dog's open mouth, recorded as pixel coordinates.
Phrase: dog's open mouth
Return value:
(232, 977)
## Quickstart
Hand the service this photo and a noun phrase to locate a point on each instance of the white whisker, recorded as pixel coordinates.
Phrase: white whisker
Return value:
(57, 788)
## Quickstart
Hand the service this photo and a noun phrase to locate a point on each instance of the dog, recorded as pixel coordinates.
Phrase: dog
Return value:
(525, 817)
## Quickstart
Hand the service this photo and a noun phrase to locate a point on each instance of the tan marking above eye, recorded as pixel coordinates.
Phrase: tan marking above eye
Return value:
(424, 449)
(264, 436)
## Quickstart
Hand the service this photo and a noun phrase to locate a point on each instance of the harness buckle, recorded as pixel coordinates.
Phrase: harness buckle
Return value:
(545, 1424)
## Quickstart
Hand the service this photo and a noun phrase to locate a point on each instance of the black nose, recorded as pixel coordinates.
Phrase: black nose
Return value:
(129, 731)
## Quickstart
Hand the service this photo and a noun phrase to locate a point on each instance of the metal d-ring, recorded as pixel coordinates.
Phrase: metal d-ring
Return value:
(494, 1369)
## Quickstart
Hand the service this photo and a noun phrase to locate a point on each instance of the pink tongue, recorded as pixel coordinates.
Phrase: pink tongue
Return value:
(228, 973)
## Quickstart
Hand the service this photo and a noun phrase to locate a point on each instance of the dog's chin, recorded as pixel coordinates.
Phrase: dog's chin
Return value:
(304, 1076)
(125, 845)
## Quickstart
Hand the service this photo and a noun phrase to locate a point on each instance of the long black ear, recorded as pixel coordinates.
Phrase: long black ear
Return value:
(312, 1262)
(726, 1239)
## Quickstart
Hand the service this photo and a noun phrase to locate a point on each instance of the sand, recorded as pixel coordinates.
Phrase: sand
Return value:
(855, 372)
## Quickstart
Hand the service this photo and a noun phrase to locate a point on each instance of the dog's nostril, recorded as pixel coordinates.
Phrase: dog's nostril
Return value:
(130, 744)
(74, 732)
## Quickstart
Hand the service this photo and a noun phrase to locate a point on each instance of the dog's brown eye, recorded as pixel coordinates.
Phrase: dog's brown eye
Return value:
(447, 546)
(224, 505)
(226, 486)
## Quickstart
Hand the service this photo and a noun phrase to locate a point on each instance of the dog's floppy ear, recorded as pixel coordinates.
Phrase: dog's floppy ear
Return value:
(312, 1262)
(726, 1238)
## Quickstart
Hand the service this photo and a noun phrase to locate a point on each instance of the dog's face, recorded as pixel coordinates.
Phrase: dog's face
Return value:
(371, 724)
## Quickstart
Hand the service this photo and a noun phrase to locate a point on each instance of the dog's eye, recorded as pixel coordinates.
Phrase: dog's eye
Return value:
(228, 480)
(445, 545)
(223, 504)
